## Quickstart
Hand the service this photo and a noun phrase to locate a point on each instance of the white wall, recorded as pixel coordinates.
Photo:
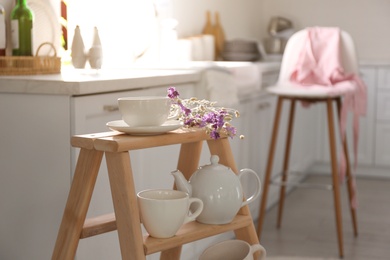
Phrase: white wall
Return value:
(366, 20)
(239, 18)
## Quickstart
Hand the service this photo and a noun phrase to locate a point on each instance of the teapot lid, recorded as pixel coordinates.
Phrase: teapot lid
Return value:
(214, 165)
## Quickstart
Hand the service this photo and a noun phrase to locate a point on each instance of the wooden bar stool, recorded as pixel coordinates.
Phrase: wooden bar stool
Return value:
(285, 92)
(126, 219)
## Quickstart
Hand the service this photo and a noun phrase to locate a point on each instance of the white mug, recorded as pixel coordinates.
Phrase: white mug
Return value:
(144, 111)
(233, 250)
(163, 212)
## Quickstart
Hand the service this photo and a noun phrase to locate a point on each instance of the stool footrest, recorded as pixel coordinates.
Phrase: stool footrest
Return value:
(98, 225)
(188, 233)
(297, 183)
(194, 231)
(302, 185)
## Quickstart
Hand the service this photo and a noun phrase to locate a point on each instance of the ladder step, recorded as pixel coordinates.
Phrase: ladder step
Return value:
(193, 231)
(188, 233)
(98, 225)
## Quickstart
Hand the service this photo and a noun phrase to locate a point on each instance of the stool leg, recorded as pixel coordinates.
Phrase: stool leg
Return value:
(350, 180)
(76, 208)
(286, 161)
(268, 171)
(125, 205)
(336, 188)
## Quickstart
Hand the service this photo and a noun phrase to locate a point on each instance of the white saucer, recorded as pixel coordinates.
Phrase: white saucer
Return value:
(121, 126)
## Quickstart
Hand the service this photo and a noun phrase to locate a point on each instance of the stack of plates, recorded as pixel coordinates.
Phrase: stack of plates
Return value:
(241, 50)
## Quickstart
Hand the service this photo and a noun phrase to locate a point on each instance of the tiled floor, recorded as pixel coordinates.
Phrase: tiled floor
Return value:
(309, 232)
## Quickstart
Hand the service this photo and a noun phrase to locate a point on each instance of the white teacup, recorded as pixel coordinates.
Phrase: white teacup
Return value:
(233, 250)
(163, 212)
(144, 111)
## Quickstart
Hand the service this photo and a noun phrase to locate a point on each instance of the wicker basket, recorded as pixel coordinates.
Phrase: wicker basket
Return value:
(31, 65)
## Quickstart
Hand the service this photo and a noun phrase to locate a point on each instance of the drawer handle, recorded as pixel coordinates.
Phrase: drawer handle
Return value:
(263, 106)
(110, 108)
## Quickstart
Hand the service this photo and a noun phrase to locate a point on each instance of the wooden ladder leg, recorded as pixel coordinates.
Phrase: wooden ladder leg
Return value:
(335, 177)
(350, 178)
(76, 208)
(188, 163)
(286, 162)
(268, 172)
(125, 205)
(221, 147)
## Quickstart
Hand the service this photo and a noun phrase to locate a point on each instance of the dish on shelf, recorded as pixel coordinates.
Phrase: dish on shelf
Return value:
(240, 56)
(121, 126)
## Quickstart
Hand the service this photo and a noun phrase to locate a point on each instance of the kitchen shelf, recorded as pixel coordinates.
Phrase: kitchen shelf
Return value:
(126, 219)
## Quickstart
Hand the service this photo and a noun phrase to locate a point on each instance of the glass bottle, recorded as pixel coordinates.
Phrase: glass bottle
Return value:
(3, 40)
(21, 29)
(208, 27)
(219, 34)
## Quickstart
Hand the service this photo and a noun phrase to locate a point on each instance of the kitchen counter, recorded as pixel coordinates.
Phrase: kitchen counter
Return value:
(78, 82)
(75, 82)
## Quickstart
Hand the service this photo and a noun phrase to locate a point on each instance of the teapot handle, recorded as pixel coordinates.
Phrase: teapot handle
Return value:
(258, 186)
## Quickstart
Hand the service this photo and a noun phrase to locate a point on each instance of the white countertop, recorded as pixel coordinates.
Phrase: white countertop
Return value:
(84, 81)
(76, 82)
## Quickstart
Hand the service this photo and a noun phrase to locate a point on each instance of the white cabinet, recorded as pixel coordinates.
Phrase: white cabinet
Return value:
(382, 143)
(259, 123)
(365, 152)
(35, 173)
(373, 152)
(382, 152)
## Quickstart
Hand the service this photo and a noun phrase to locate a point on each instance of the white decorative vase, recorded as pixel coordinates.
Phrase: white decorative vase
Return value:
(95, 54)
(79, 58)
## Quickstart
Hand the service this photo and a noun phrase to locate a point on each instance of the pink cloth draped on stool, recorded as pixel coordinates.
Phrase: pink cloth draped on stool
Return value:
(319, 65)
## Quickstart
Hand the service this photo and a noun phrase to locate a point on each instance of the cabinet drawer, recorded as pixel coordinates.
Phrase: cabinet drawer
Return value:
(384, 78)
(383, 105)
(269, 79)
(382, 151)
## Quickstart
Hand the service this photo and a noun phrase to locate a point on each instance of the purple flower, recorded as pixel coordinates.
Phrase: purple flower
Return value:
(173, 93)
(214, 135)
(209, 117)
(231, 131)
(203, 115)
(186, 111)
(220, 120)
(189, 121)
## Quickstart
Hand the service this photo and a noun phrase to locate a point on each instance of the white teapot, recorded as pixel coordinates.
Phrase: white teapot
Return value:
(220, 190)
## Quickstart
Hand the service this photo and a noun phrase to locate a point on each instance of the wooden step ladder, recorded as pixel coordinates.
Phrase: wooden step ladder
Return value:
(125, 219)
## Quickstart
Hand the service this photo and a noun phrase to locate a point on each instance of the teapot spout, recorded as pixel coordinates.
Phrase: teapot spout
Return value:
(181, 182)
